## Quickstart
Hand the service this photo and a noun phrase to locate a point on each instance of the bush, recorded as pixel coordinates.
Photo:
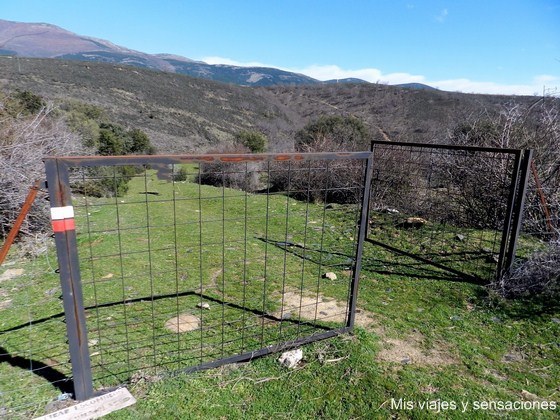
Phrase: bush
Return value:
(537, 276)
(336, 182)
(25, 139)
(253, 140)
(181, 175)
(242, 176)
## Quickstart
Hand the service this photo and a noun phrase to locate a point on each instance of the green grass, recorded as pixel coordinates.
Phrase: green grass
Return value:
(465, 345)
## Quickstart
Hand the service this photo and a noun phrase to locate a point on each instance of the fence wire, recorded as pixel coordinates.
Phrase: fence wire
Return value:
(35, 370)
(446, 206)
(210, 260)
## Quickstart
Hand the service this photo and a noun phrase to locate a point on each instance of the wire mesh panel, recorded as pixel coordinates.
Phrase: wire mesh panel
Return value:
(35, 369)
(450, 206)
(188, 262)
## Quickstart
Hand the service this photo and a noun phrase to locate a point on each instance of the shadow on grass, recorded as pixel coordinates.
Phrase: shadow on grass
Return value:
(520, 308)
(416, 267)
(56, 378)
(65, 384)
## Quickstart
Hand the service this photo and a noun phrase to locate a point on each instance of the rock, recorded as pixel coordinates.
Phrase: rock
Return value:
(495, 319)
(455, 318)
(460, 237)
(406, 360)
(390, 210)
(513, 357)
(412, 223)
(555, 320)
(290, 359)
(529, 396)
(330, 275)
(203, 305)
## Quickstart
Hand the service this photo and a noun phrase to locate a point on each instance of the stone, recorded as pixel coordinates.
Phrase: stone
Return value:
(460, 237)
(330, 275)
(412, 223)
(290, 359)
(203, 305)
(513, 357)
(390, 210)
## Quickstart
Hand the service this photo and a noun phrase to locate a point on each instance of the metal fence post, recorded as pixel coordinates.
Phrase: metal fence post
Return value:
(519, 205)
(62, 215)
(361, 238)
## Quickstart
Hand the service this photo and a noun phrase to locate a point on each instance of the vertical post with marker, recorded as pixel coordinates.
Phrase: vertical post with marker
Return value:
(62, 216)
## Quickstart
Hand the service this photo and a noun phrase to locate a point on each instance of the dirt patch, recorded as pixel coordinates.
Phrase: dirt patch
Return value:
(318, 308)
(409, 351)
(5, 304)
(11, 273)
(182, 323)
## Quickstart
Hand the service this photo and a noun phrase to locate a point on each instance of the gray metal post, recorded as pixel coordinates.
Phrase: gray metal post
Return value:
(361, 238)
(526, 158)
(69, 268)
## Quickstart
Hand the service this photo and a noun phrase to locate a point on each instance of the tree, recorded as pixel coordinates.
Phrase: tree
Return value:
(256, 142)
(333, 133)
(343, 180)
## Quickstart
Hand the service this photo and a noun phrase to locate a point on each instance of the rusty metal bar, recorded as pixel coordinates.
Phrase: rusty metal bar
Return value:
(29, 200)
(154, 160)
(67, 253)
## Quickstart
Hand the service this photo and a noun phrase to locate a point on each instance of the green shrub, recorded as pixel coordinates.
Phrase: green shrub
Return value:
(256, 142)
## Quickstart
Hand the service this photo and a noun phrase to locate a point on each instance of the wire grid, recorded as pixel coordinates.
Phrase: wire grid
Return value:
(35, 369)
(445, 206)
(176, 274)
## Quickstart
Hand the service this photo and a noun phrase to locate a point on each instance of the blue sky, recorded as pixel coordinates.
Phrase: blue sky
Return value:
(491, 46)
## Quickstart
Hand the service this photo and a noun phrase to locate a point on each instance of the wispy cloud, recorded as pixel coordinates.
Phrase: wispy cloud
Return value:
(230, 62)
(373, 75)
(442, 16)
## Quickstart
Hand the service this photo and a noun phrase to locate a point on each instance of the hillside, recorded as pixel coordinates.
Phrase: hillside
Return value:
(43, 40)
(186, 114)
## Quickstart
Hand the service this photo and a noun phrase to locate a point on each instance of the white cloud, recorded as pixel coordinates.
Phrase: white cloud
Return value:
(373, 75)
(230, 62)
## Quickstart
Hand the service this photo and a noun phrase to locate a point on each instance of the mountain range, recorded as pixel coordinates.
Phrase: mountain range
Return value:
(43, 40)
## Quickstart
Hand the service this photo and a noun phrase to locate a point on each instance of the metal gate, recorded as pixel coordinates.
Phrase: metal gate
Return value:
(180, 263)
(455, 208)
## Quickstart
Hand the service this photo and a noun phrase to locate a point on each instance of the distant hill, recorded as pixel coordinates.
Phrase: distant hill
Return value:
(185, 114)
(42, 40)
(419, 86)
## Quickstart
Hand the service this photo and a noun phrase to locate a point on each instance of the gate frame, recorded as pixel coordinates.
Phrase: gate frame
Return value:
(515, 202)
(62, 215)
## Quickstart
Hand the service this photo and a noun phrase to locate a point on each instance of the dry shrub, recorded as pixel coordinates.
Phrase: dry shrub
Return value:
(539, 275)
(25, 138)
(238, 175)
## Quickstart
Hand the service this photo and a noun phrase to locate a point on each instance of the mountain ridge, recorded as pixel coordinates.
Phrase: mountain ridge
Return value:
(44, 40)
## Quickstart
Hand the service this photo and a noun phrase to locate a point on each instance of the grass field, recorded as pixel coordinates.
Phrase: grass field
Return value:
(422, 336)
